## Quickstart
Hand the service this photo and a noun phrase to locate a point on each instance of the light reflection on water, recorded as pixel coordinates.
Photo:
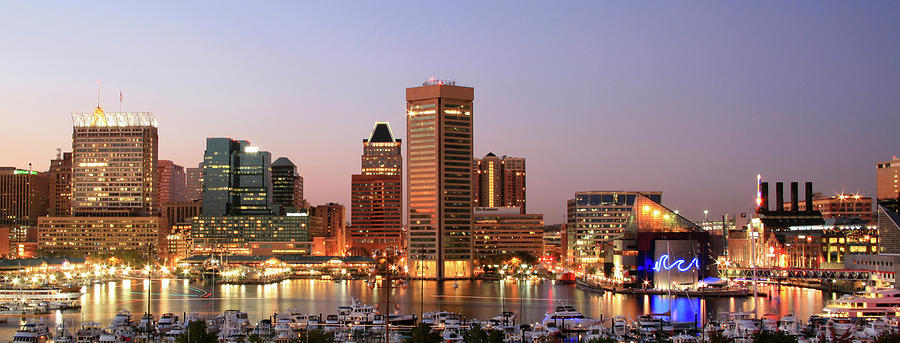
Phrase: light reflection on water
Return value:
(475, 299)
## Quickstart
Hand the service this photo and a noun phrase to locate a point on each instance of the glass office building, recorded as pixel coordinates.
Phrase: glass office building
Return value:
(237, 178)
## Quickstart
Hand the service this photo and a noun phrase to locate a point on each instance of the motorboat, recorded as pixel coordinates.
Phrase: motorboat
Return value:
(566, 318)
(874, 303)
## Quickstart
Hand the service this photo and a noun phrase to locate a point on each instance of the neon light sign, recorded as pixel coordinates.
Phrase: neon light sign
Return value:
(662, 263)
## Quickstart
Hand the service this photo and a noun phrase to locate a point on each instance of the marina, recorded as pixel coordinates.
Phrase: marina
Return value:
(470, 301)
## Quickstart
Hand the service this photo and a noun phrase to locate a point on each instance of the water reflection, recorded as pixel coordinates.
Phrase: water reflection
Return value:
(475, 299)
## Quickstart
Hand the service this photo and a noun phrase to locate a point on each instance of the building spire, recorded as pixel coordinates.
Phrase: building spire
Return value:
(98, 97)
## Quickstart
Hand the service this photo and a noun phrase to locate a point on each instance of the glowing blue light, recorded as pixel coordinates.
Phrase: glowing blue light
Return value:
(662, 263)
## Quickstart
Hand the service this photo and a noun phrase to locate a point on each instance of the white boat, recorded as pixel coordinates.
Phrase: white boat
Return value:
(875, 303)
(32, 332)
(451, 333)
(166, 322)
(790, 325)
(54, 294)
(566, 318)
(88, 333)
(358, 313)
(235, 326)
(63, 335)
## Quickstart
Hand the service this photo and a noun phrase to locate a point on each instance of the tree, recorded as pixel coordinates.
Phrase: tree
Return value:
(316, 336)
(888, 337)
(196, 331)
(717, 337)
(423, 334)
(773, 337)
(602, 340)
(478, 335)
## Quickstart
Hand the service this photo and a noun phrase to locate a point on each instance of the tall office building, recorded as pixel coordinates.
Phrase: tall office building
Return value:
(115, 196)
(376, 194)
(887, 179)
(439, 179)
(514, 182)
(499, 181)
(23, 198)
(171, 182)
(285, 183)
(114, 159)
(236, 178)
(60, 183)
(594, 218)
(490, 182)
(238, 214)
(194, 183)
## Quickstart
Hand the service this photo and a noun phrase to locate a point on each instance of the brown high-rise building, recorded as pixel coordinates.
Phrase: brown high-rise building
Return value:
(499, 182)
(114, 158)
(887, 179)
(490, 183)
(439, 180)
(194, 183)
(23, 198)
(376, 194)
(171, 182)
(514, 182)
(333, 226)
(60, 183)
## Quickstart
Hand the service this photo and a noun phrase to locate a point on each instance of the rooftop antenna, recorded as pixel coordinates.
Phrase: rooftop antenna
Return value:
(98, 94)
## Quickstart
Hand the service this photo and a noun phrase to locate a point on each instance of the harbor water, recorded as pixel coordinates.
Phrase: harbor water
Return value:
(472, 299)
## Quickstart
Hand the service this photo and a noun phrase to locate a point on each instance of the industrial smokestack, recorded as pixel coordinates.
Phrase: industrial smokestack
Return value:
(809, 197)
(764, 196)
(795, 197)
(779, 197)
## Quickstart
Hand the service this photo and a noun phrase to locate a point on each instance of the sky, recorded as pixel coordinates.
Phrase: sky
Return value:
(689, 98)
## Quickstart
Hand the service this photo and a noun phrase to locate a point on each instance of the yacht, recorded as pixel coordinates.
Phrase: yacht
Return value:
(32, 332)
(63, 334)
(566, 318)
(790, 325)
(358, 313)
(166, 322)
(88, 333)
(875, 303)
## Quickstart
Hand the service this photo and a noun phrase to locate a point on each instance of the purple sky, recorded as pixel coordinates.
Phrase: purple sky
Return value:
(693, 100)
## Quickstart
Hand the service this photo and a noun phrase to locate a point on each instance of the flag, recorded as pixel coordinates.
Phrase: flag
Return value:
(121, 97)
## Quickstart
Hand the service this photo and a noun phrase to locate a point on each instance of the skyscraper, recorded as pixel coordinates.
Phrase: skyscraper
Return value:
(171, 182)
(499, 182)
(238, 214)
(887, 179)
(194, 183)
(60, 180)
(114, 159)
(114, 174)
(236, 178)
(439, 178)
(376, 194)
(514, 182)
(285, 183)
(490, 191)
(23, 197)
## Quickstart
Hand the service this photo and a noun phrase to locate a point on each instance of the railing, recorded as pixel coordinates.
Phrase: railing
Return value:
(807, 274)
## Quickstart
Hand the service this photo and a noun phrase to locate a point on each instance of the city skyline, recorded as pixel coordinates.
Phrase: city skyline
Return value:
(788, 122)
